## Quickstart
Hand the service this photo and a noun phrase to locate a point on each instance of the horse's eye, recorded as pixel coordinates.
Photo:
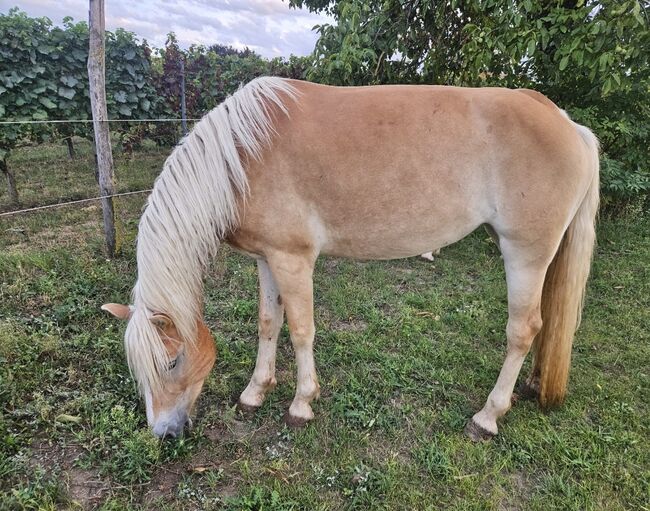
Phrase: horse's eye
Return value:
(172, 364)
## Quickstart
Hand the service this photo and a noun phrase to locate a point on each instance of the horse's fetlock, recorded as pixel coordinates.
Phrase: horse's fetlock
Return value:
(267, 383)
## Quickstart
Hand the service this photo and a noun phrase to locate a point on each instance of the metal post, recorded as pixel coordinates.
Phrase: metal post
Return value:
(183, 107)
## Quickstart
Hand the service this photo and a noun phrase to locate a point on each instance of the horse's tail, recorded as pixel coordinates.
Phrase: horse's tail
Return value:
(564, 290)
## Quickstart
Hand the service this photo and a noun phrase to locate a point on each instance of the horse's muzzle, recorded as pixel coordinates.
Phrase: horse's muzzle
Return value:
(171, 427)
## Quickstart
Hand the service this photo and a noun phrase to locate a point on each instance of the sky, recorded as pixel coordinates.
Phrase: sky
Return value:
(268, 27)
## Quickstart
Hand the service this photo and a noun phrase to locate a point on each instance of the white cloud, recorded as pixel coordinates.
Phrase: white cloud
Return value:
(266, 26)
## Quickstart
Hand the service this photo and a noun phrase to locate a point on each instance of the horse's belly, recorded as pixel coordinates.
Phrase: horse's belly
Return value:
(395, 237)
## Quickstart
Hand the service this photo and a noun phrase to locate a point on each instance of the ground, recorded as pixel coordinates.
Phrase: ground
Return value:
(406, 352)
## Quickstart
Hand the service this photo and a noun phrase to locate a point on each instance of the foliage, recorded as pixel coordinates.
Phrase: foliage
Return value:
(27, 87)
(68, 61)
(590, 57)
(129, 93)
(44, 76)
(213, 73)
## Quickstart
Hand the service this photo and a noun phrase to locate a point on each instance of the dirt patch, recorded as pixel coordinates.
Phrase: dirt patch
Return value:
(231, 430)
(330, 265)
(84, 487)
(350, 325)
(163, 483)
(518, 499)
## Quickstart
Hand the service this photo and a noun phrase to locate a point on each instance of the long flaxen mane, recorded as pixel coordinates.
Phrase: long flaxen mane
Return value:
(193, 205)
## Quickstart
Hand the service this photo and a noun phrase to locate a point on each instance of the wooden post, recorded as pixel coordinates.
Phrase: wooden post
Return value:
(97, 82)
(71, 153)
(183, 107)
(11, 182)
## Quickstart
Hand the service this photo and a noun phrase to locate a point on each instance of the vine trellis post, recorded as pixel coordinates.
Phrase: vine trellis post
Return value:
(183, 105)
(97, 84)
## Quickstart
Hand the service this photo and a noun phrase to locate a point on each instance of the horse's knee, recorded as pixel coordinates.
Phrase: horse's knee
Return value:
(302, 335)
(266, 325)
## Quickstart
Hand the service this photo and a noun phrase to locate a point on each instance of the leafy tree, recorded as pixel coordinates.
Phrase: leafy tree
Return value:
(590, 56)
(294, 67)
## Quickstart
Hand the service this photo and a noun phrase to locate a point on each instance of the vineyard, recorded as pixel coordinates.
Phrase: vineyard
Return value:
(405, 349)
(43, 77)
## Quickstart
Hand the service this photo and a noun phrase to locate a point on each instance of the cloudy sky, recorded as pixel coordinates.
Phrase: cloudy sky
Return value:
(267, 26)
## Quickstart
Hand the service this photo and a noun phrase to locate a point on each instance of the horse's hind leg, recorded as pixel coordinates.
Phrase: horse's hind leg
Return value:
(293, 274)
(271, 315)
(525, 279)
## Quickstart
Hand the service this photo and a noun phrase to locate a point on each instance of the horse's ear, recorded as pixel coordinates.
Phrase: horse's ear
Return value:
(162, 321)
(118, 310)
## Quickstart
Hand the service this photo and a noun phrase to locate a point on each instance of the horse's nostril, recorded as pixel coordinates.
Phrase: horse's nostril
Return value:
(171, 427)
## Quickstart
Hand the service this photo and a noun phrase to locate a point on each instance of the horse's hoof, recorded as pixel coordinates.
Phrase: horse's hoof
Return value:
(478, 433)
(247, 410)
(528, 392)
(295, 422)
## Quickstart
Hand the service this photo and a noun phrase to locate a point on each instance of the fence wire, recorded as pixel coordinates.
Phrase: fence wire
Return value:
(90, 121)
(84, 121)
(79, 201)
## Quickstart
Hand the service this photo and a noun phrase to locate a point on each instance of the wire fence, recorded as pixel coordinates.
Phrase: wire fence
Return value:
(69, 203)
(82, 121)
(90, 121)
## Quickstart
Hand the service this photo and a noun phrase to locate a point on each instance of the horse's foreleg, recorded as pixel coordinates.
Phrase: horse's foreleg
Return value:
(294, 277)
(524, 322)
(271, 315)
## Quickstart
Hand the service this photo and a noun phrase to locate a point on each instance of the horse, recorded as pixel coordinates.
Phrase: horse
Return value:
(285, 170)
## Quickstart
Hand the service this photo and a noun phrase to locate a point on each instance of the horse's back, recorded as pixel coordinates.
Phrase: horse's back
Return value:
(391, 171)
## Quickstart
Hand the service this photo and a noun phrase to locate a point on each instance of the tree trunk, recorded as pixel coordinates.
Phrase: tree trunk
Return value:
(11, 183)
(71, 152)
(97, 83)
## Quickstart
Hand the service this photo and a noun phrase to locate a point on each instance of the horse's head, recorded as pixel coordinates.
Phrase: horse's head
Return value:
(170, 391)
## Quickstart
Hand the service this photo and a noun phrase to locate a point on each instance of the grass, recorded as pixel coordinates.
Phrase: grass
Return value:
(406, 352)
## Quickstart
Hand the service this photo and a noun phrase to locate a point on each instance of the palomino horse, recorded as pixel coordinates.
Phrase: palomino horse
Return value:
(286, 170)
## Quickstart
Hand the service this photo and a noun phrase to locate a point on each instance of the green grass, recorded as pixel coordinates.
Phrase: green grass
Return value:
(406, 352)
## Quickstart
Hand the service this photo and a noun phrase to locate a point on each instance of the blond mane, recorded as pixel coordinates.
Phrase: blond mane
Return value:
(192, 207)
